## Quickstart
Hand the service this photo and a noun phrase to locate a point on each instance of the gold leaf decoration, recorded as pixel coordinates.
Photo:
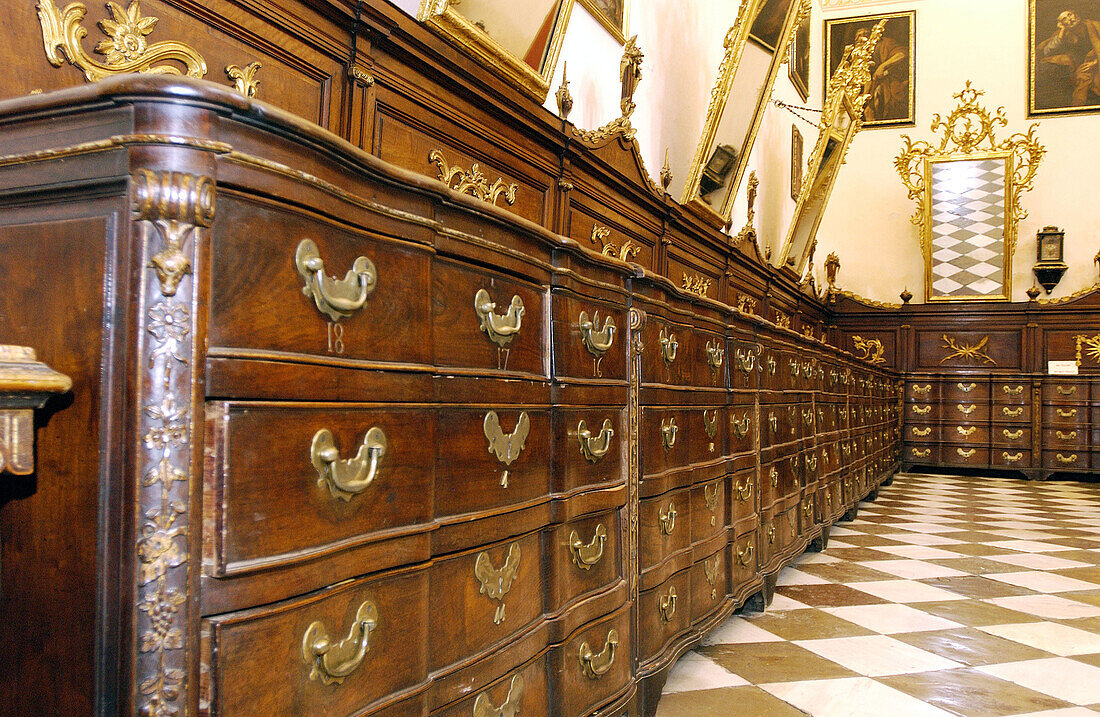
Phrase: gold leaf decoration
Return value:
(966, 352)
(472, 181)
(626, 252)
(1090, 346)
(244, 80)
(872, 350)
(696, 284)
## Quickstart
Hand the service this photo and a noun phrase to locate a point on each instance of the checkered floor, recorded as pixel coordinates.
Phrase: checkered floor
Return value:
(947, 596)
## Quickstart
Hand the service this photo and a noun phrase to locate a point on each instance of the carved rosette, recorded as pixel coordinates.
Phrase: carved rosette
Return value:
(173, 205)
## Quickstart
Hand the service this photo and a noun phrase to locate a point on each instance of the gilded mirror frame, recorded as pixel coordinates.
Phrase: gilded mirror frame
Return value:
(736, 39)
(442, 17)
(969, 134)
(841, 120)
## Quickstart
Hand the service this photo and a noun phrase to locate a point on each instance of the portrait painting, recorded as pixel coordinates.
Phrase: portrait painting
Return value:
(796, 162)
(798, 61)
(611, 14)
(892, 87)
(768, 25)
(1064, 67)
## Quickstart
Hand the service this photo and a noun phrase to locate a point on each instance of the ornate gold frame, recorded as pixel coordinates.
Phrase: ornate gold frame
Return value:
(964, 131)
(827, 59)
(736, 39)
(620, 34)
(841, 119)
(441, 17)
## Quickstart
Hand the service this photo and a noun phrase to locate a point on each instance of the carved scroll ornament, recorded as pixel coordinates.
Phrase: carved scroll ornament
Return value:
(472, 181)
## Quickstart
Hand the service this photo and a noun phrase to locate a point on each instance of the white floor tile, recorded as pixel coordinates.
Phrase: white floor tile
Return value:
(877, 655)
(695, 672)
(891, 618)
(1059, 677)
(1052, 637)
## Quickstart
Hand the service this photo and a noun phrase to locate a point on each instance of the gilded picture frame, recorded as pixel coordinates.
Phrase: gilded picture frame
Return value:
(797, 152)
(1063, 77)
(612, 14)
(892, 87)
(798, 59)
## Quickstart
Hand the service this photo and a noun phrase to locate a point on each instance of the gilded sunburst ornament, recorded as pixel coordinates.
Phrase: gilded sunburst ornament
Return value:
(127, 31)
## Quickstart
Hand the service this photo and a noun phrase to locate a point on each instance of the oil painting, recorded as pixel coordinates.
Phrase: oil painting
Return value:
(1064, 71)
(892, 86)
(611, 14)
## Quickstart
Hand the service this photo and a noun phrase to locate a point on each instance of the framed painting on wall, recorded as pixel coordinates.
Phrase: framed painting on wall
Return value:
(798, 60)
(611, 14)
(1064, 46)
(796, 162)
(769, 22)
(893, 78)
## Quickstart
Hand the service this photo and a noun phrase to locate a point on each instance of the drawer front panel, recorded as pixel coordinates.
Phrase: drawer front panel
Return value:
(475, 315)
(664, 526)
(669, 350)
(961, 456)
(710, 361)
(964, 391)
(743, 560)
(1065, 415)
(707, 433)
(744, 365)
(592, 666)
(708, 584)
(1010, 458)
(520, 692)
(742, 429)
(385, 619)
(483, 597)
(1065, 460)
(589, 447)
(743, 491)
(1066, 439)
(922, 433)
(708, 509)
(965, 433)
(665, 435)
(1065, 392)
(1020, 414)
(589, 338)
(1011, 436)
(489, 458)
(663, 612)
(1011, 392)
(585, 556)
(293, 480)
(389, 324)
(926, 454)
(964, 412)
(922, 411)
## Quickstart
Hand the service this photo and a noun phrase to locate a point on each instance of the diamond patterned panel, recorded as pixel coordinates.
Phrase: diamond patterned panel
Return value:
(968, 215)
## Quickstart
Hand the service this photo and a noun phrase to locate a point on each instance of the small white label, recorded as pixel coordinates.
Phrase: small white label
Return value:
(1062, 368)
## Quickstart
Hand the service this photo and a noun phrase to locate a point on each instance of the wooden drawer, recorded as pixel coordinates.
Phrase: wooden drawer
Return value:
(922, 412)
(770, 377)
(964, 411)
(744, 364)
(922, 433)
(519, 692)
(925, 454)
(1010, 458)
(309, 502)
(707, 426)
(591, 666)
(966, 456)
(708, 509)
(1011, 436)
(666, 436)
(469, 333)
(1011, 392)
(584, 556)
(967, 390)
(922, 391)
(1065, 415)
(967, 434)
(1066, 439)
(1065, 460)
(742, 429)
(1065, 392)
(778, 424)
(664, 526)
(589, 338)
(663, 613)
(589, 447)
(742, 496)
(669, 349)
(709, 583)
(808, 513)
(743, 560)
(709, 362)
(391, 324)
(389, 615)
(484, 461)
(1019, 414)
(484, 596)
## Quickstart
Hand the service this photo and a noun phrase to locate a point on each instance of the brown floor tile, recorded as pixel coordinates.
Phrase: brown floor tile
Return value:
(807, 625)
(829, 595)
(972, 693)
(749, 700)
(975, 586)
(976, 549)
(867, 541)
(872, 528)
(1073, 542)
(760, 662)
(1089, 624)
(1091, 573)
(975, 613)
(845, 572)
(859, 554)
(971, 646)
(975, 565)
(976, 537)
(1093, 660)
(1081, 556)
(1090, 597)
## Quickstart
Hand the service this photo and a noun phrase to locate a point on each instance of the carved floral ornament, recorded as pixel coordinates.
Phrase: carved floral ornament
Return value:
(126, 47)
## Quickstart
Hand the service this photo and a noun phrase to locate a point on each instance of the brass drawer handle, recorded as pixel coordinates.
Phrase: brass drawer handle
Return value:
(746, 360)
(668, 432)
(1013, 391)
(744, 557)
(808, 418)
(967, 387)
(1067, 414)
(922, 432)
(966, 431)
(1066, 436)
(966, 410)
(710, 571)
(666, 606)
(744, 492)
(808, 509)
(595, 448)
(1067, 392)
(795, 368)
(1067, 460)
(922, 454)
(715, 355)
(350, 477)
(710, 425)
(811, 463)
(495, 583)
(506, 447)
(710, 497)
(500, 329)
(792, 520)
(773, 422)
(598, 342)
(333, 663)
(669, 345)
(773, 476)
(922, 390)
(1013, 412)
(922, 410)
(596, 666)
(337, 299)
(741, 428)
(1013, 435)
(1012, 458)
(667, 519)
(771, 365)
(770, 534)
(966, 454)
(509, 708)
(585, 556)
